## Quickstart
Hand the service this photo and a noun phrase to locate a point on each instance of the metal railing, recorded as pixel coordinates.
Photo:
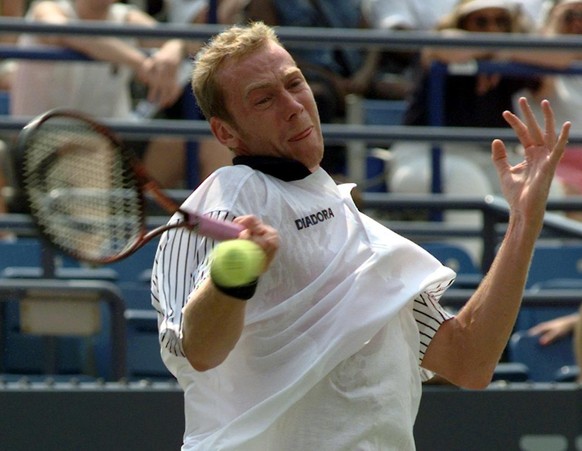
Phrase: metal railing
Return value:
(334, 133)
(72, 290)
(305, 37)
(308, 37)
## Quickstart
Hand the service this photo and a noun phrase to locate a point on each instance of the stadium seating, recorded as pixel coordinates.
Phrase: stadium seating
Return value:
(35, 355)
(62, 326)
(555, 261)
(143, 347)
(544, 363)
(554, 266)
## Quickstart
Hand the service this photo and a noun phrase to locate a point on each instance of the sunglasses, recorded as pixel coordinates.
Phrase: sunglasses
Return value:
(482, 22)
(571, 16)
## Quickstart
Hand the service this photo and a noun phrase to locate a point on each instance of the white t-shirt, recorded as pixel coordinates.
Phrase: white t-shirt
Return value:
(409, 14)
(184, 11)
(97, 88)
(329, 356)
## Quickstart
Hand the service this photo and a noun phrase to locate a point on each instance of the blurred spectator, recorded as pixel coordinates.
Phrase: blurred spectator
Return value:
(564, 17)
(100, 89)
(211, 154)
(403, 15)
(406, 14)
(489, 95)
(197, 11)
(331, 73)
(347, 70)
(11, 8)
(470, 100)
(562, 328)
(536, 10)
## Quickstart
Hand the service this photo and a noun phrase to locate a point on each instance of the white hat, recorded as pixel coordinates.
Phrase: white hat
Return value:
(476, 5)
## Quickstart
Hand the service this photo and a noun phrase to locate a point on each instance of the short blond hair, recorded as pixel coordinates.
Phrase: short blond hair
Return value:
(232, 44)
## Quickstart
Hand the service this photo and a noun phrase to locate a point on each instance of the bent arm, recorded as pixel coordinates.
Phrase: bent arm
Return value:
(99, 48)
(213, 324)
(213, 321)
(466, 349)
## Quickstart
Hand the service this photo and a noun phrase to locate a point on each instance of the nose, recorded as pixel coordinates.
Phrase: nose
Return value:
(292, 107)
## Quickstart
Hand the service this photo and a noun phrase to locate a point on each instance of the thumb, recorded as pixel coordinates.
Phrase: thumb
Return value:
(499, 155)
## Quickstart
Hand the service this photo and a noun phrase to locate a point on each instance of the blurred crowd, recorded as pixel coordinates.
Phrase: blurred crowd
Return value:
(130, 70)
(127, 74)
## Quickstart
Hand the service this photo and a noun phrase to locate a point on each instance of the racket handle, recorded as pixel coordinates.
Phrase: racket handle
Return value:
(216, 229)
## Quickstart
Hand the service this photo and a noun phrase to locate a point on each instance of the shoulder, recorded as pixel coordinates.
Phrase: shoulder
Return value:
(236, 174)
(132, 14)
(231, 188)
(47, 10)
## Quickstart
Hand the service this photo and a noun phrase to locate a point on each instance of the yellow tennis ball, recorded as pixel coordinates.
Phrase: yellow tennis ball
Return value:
(236, 262)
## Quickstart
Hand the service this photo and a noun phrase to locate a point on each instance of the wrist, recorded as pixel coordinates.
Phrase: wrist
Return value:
(241, 292)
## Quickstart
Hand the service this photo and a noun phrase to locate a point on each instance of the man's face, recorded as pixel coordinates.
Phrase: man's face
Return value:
(567, 18)
(488, 20)
(273, 108)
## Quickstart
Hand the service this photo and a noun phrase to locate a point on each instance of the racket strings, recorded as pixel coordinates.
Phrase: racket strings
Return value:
(82, 190)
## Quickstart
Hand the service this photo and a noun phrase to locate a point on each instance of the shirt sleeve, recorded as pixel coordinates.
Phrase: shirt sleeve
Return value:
(181, 265)
(429, 316)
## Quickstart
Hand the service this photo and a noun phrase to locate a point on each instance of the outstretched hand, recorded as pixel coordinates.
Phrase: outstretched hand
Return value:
(526, 185)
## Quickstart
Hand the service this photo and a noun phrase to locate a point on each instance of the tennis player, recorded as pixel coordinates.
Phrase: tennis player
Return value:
(328, 349)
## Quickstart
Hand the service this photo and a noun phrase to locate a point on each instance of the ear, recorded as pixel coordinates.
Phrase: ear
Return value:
(224, 133)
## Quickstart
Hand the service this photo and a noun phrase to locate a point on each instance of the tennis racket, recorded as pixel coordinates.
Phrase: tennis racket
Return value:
(86, 190)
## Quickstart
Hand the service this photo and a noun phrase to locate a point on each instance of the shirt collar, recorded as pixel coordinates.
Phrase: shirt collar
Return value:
(282, 168)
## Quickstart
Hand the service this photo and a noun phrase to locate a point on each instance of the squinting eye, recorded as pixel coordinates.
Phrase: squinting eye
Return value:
(262, 101)
(295, 83)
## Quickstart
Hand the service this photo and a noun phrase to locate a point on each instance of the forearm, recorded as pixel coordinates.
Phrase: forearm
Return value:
(112, 50)
(479, 333)
(109, 49)
(212, 326)
(466, 349)
(487, 320)
(553, 60)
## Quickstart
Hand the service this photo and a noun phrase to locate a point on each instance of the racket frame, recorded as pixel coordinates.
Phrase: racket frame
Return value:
(198, 223)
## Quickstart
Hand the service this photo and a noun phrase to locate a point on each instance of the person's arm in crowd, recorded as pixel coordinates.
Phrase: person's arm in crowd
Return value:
(213, 321)
(100, 48)
(552, 59)
(158, 71)
(452, 55)
(466, 349)
(552, 330)
(361, 81)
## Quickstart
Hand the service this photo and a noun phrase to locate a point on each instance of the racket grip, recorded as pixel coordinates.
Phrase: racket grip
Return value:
(218, 230)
